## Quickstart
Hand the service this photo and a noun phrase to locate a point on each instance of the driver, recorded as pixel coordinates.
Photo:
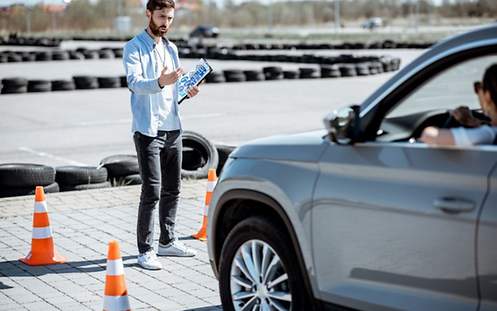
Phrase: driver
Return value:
(481, 133)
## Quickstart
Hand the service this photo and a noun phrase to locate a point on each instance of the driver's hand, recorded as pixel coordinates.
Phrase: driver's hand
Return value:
(464, 116)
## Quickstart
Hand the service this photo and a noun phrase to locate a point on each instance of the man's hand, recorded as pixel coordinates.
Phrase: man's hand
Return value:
(464, 116)
(167, 78)
(193, 91)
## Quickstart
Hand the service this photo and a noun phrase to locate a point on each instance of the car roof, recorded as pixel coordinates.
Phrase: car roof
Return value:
(482, 36)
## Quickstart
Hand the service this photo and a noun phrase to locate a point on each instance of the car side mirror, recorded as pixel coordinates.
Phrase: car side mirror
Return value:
(342, 124)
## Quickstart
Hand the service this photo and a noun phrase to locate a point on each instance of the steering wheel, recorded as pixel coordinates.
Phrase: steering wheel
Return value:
(450, 122)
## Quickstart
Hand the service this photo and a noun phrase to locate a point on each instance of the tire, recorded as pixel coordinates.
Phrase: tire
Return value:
(208, 153)
(223, 152)
(14, 58)
(14, 85)
(234, 77)
(124, 81)
(120, 165)
(109, 82)
(26, 175)
(259, 231)
(215, 77)
(63, 85)
(290, 74)
(85, 82)
(28, 57)
(6, 192)
(347, 70)
(39, 86)
(253, 75)
(60, 55)
(134, 179)
(362, 69)
(77, 175)
(105, 54)
(308, 73)
(75, 55)
(192, 159)
(90, 54)
(118, 52)
(43, 56)
(330, 72)
(102, 185)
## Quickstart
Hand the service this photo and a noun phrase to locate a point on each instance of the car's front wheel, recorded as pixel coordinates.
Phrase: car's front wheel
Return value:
(258, 270)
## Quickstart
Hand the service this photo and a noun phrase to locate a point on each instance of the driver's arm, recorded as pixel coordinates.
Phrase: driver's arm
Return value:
(436, 136)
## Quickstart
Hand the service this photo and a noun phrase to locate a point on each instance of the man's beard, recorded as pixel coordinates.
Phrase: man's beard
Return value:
(156, 30)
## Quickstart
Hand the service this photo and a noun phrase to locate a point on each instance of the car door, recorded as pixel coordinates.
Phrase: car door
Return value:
(393, 223)
(487, 248)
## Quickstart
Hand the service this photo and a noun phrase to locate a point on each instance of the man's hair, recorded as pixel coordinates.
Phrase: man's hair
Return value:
(153, 5)
(490, 82)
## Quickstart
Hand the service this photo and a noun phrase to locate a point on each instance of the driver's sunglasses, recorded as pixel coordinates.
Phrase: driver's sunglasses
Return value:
(477, 86)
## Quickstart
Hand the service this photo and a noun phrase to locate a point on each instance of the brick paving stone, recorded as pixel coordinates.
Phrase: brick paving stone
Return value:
(83, 223)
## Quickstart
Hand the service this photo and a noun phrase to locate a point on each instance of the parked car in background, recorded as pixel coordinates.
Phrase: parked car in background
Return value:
(360, 216)
(205, 31)
(372, 23)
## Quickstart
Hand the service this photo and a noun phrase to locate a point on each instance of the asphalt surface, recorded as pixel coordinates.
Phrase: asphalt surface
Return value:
(83, 126)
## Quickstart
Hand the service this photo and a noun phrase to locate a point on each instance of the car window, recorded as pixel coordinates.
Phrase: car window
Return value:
(447, 90)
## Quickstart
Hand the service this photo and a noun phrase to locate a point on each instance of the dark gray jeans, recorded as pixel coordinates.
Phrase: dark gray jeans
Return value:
(159, 159)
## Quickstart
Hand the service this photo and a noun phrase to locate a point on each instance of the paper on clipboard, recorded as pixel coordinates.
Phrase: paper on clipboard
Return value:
(192, 78)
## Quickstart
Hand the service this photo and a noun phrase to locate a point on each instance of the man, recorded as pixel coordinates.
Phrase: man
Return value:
(152, 70)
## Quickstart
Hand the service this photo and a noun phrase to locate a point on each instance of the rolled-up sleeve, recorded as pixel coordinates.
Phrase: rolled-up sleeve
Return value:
(134, 75)
(476, 136)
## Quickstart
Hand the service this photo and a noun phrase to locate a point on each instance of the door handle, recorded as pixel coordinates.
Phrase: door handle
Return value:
(454, 205)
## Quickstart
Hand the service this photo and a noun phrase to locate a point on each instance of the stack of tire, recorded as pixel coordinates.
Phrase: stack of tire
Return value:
(14, 85)
(122, 169)
(18, 179)
(71, 178)
(273, 73)
(199, 155)
(215, 77)
(85, 82)
(253, 75)
(234, 75)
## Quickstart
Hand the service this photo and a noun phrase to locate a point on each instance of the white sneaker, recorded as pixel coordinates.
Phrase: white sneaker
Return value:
(177, 249)
(149, 261)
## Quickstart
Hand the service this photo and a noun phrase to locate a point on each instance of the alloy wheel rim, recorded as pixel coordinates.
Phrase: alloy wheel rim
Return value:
(259, 279)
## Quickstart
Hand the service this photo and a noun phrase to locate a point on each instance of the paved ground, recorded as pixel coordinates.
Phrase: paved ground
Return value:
(83, 223)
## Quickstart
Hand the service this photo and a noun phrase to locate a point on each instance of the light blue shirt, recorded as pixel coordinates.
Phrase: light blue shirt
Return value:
(152, 108)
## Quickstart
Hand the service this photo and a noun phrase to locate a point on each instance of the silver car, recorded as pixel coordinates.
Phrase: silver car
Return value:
(360, 216)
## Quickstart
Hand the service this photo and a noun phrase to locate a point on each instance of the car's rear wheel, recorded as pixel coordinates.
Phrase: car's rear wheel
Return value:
(258, 270)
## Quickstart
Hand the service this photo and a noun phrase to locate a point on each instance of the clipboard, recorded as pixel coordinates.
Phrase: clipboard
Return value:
(193, 78)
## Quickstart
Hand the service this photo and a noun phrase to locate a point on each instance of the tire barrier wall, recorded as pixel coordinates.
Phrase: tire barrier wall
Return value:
(184, 52)
(14, 40)
(21, 85)
(59, 55)
(17, 179)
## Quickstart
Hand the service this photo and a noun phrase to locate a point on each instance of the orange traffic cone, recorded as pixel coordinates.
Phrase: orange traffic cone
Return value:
(116, 294)
(211, 184)
(42, 245)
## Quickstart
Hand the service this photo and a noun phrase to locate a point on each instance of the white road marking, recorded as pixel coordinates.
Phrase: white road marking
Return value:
(51, 156)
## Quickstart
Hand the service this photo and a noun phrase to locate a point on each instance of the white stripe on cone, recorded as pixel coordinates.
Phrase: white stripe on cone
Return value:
(115, 267)
(113, 303)
(206, 208)
(211, 185)
(42, 233)
(41, 207)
